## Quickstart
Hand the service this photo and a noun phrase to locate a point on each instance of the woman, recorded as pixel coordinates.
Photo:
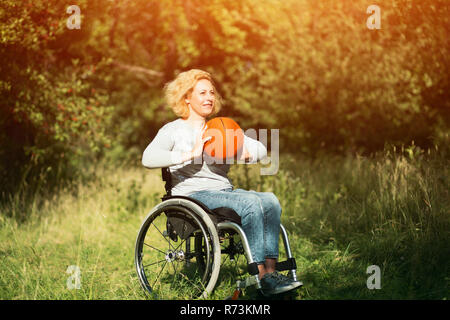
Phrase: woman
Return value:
(179, 146)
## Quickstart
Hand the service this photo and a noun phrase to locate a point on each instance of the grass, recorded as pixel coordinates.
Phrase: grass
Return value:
(94, 229)
(343, 214)
(392, 210)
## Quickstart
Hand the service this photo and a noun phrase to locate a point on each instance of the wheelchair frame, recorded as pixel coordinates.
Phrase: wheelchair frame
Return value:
(206, 224)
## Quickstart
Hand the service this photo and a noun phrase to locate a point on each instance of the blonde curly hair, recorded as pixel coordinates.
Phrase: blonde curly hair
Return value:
(176, 91)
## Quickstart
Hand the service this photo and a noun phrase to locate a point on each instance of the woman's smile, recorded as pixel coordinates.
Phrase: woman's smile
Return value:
(201, 100)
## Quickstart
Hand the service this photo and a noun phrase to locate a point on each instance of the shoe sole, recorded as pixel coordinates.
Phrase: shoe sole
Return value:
(294, 285)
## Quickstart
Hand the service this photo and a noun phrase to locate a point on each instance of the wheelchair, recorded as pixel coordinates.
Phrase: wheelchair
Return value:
(180, 244)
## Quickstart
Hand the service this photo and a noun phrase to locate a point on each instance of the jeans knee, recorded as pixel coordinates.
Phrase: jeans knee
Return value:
(273, 202)
(254, 205)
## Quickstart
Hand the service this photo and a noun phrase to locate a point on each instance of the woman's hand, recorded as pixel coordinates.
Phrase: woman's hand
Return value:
(199, 143)
(198, 147)
(245, 156)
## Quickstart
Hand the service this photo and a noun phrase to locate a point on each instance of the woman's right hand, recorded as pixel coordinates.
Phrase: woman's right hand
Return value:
(199, 143)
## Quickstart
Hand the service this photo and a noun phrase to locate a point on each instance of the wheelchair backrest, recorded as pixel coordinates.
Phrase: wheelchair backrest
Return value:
(167, 177)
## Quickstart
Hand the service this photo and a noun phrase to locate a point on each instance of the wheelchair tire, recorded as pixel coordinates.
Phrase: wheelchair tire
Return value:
(165, 268)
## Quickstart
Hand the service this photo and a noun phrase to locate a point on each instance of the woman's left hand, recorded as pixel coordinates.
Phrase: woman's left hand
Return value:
(246, 156)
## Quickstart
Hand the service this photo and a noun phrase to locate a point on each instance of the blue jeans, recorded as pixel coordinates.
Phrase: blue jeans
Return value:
(260, 214)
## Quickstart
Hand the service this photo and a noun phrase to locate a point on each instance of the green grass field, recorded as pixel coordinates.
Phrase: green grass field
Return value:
(343, 214)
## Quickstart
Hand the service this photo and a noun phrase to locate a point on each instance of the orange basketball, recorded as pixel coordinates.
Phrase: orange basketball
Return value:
(227, 138)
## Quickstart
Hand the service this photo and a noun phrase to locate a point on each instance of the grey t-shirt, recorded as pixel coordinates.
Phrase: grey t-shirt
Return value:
(191, 176)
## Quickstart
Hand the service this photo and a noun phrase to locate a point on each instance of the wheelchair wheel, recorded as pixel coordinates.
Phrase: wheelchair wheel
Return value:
(181, 262)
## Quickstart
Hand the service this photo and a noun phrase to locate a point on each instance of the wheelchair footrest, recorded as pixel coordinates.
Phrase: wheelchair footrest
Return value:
(288, 264)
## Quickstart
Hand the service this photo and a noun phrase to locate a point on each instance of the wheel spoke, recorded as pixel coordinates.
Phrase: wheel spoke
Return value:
(181, 244)
(154, 248)
(157, 278)
(224, 260)
(174, 269)
(150, 264)
(189, 280)
(170, 245)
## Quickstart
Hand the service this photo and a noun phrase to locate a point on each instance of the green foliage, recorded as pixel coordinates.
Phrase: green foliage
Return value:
(55, 115)
(312, 69)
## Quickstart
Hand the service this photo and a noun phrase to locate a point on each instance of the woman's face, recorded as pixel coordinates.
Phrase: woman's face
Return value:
(202, 98)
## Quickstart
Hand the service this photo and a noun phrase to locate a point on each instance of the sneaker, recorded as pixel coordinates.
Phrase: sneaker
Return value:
(275, 283)
(296, 282)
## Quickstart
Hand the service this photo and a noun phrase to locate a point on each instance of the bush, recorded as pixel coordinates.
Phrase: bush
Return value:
(54, 114)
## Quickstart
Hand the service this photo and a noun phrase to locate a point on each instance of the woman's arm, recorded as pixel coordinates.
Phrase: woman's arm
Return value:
(254, 150)
(159, 154)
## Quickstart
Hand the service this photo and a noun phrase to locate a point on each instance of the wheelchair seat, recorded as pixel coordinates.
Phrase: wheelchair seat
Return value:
(217, 215)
